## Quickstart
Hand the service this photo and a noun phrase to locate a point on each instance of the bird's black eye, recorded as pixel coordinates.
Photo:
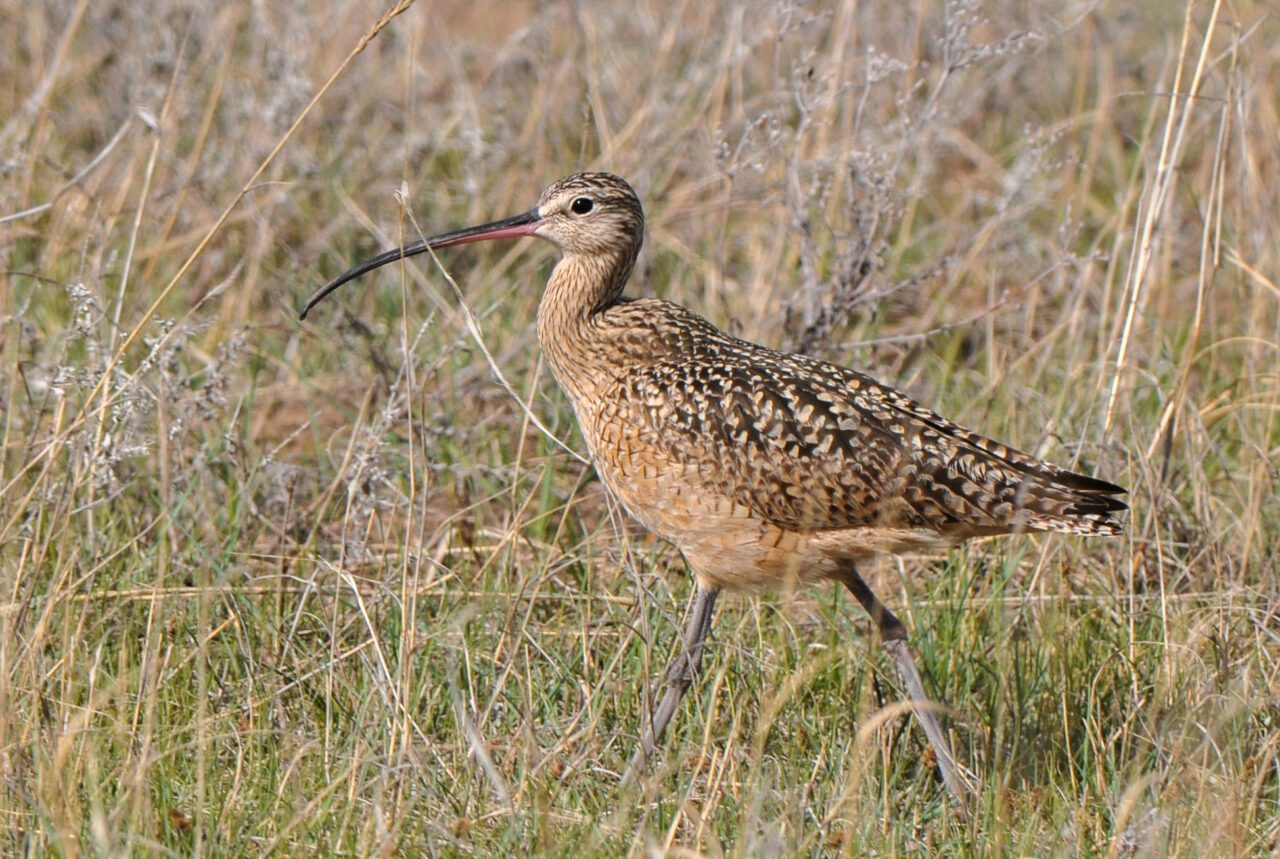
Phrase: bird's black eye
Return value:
(581, 206)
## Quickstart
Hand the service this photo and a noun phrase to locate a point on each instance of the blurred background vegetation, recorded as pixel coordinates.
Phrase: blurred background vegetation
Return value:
(272, 587)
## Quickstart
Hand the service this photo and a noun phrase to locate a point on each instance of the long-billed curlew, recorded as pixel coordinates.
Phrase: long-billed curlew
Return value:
(764, 468)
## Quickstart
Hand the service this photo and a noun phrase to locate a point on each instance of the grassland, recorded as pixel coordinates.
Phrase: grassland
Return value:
(286, 588)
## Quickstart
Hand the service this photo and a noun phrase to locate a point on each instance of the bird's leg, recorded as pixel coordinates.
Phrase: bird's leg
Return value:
(894, 636)
(680, 675)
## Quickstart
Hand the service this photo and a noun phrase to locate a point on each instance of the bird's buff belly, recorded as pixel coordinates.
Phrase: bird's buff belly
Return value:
(728, 546)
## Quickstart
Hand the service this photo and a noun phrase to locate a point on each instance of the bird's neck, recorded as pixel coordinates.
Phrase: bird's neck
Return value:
(580, 290)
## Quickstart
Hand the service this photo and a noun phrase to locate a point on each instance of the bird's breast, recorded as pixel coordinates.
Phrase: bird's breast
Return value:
(727, 544)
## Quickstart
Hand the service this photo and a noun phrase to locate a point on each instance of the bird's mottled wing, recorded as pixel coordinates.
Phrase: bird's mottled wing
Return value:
(796, 458)
(809, 445)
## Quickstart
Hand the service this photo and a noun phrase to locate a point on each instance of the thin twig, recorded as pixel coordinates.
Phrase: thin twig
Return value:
(75, 180)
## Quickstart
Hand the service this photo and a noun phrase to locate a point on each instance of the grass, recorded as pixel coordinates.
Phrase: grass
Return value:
(288, 588)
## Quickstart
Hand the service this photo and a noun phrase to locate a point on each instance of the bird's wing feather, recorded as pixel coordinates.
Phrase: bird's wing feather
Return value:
(810, 445)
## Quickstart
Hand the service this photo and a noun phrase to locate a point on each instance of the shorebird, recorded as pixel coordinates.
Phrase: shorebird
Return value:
(764, 468)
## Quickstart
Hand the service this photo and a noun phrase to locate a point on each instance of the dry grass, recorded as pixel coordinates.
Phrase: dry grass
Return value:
(272, 587)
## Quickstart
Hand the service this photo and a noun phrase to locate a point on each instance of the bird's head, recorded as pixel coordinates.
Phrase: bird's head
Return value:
(591, 214)
(585, 215)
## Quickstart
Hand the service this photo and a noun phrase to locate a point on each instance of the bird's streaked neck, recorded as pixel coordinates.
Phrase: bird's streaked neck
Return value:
(581, 288)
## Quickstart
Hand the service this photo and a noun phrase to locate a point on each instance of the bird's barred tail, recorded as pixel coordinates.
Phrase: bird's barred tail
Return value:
(1079, 505)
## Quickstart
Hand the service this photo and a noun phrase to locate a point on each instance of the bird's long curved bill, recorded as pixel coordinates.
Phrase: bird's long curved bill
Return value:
(523, 224)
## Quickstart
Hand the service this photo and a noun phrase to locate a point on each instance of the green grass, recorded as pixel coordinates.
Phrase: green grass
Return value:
(288, 588)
